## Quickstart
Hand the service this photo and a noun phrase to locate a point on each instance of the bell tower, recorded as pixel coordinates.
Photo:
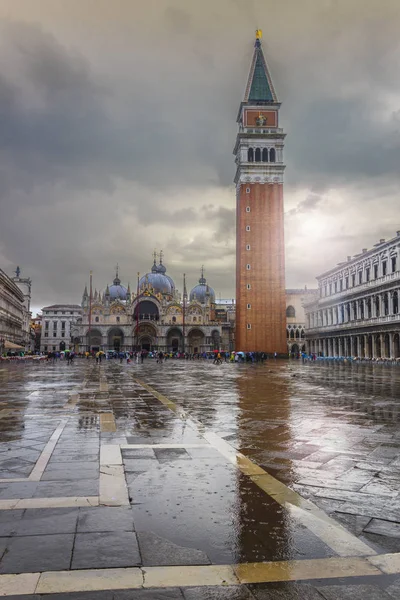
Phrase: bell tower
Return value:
(260, 251)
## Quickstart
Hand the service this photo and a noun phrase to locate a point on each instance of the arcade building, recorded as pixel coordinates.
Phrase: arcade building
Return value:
(155, 317)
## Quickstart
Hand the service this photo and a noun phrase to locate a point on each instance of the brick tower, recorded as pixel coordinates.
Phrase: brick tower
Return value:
(260, 252)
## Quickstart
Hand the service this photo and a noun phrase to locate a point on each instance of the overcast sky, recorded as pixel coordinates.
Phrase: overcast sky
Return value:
(118, 120)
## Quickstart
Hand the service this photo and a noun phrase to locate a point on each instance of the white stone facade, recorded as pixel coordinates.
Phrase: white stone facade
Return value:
(356, 313)
(11, 312)
(25, 285)
(296, 318)
(57, 323)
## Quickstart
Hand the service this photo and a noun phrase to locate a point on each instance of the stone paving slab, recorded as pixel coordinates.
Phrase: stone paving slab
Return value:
(105, 550)
(27, 554)
(105, 518)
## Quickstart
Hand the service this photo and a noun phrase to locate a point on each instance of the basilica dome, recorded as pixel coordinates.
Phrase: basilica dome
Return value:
(158, 280)
(200, 291)
(116, 290)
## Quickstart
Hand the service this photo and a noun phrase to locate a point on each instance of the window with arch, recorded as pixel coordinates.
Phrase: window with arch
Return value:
(247, 227)
(248, 267)
(250, 155)
(248, 247)
(248, 325)
(265, 155)
(248, 286)
(258, 155)
(194, 319)
(174, 319)
(96, 319)
(272, 155)
(290, 312)
(247, 190)
(247, 208)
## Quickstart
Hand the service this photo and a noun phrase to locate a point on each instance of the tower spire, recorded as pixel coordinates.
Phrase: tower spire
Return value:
(259, 88)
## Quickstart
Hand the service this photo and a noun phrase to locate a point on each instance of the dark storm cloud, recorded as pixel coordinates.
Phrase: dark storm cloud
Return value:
(117, 127)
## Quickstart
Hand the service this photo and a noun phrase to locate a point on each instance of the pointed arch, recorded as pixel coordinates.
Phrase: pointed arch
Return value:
(258, 155)
(250, 155)
(272, 155)
(265, 155)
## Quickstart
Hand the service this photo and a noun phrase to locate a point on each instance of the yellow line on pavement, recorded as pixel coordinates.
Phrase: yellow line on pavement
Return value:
(316, 520)
(57, 582)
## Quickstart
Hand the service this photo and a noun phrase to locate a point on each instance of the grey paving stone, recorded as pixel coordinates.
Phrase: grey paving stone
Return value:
(285, 591)
(68, 458)
(382, 543)
(105, 550)
(70, 472)
(353, 523)
(42, 521)
(353, 592)
(37, 553)
(153, 594)
(105, 518)
(4, 541)
(9, 520)
(138, 453)
(158, 551)
(205, 452)
(230, 592)
(139, 465)
(394, 589)
(19, 489)
(55, 489)
(99, 595)
(170, 454)
(386, 528)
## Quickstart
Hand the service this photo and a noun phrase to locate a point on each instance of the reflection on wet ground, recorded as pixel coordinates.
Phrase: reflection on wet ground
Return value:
(328, 432)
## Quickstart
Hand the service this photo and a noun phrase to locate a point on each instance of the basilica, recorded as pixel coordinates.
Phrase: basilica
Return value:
(153, 317)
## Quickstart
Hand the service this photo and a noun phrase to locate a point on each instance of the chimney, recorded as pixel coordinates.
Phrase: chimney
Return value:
(348, 258)
(382, 240)
(398, 233)
(364, 250)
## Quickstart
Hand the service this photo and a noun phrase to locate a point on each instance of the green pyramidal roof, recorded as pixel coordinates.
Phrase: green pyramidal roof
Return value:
(259, 86)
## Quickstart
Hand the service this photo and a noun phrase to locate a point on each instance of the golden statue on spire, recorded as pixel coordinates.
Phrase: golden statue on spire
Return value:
(258, 34)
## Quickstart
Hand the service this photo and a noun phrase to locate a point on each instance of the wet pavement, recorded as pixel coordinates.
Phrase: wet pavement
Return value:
(189, 480)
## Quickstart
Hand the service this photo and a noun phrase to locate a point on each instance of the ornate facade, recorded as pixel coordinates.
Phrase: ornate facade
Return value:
(11, 313)
(156, 317)
(296, 318)
(260, 260)
(357, 311)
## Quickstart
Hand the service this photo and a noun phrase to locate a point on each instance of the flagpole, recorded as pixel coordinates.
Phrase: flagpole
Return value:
(90, 310)
(137, 314)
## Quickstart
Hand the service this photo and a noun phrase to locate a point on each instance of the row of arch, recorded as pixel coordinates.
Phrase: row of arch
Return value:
(364, 346)
(368, 308)
(264, 155)
(295, 334)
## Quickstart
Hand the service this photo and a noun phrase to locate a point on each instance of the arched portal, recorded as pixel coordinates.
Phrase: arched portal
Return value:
(175, 340)
(369, 346)
(62, 346)
(386, 346)
(396, 345)
(94, 340)
(215, 339)
(145, 337)
(294, 350)
(196, 340)
(115, 339)
(378, 346)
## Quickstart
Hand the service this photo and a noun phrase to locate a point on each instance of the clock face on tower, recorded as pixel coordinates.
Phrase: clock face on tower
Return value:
(257, 118)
